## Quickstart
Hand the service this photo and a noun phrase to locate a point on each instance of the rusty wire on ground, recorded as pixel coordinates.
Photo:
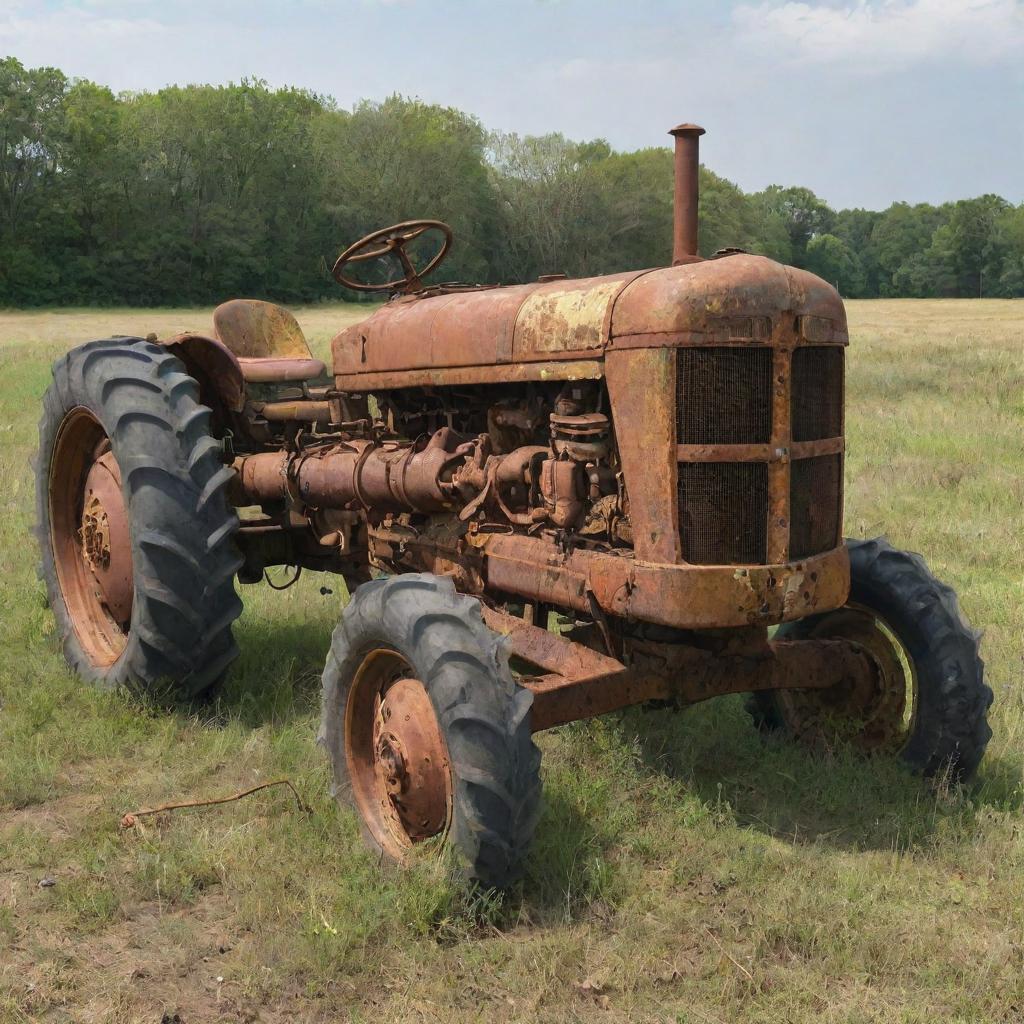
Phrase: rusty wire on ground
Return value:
(130, 819)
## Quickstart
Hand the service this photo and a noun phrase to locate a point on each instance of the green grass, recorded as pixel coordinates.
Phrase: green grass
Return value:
(683, 871)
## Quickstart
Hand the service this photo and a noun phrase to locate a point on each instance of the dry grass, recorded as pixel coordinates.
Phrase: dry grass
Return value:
(684, 871)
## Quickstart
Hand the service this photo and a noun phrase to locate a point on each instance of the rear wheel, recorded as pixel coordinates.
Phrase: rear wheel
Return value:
(136, 536)
(427, 732)
(929, 703)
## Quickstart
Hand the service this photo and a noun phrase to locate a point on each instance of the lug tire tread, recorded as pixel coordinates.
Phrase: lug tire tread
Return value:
(951, 730)
(180, 642)
(483, 713)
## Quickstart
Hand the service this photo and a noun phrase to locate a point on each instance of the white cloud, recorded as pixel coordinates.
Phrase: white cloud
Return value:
(22, 24)
(885, 34)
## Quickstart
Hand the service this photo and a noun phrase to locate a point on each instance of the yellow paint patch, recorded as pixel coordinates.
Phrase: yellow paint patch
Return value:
(566, 319)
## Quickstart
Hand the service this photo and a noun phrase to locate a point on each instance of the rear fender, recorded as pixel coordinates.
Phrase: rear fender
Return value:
(214, 366)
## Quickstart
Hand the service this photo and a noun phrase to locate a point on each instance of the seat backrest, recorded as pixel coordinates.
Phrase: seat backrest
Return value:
(253, 329)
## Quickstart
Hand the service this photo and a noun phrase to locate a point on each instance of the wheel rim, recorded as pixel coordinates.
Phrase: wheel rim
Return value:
(397, 757)
(90, 537)
(876, 716)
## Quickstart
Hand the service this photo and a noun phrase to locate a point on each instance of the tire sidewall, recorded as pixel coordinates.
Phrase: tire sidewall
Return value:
(180, 525)
(347, 669)
(948, 727)
(929, 745)
(463, 667)
(361, 631)
(62, 398)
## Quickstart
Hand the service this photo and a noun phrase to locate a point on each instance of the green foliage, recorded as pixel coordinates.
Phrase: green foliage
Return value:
(192, 194)
(834, 260)
(802, 213)
(403, 159)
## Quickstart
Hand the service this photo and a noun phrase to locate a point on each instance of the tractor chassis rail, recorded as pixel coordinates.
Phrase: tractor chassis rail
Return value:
(576, 682)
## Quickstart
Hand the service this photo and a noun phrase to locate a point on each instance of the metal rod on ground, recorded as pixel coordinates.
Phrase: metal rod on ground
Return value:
(129, 819)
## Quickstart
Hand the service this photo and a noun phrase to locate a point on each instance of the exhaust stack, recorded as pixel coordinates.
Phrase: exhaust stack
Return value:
(684, 233)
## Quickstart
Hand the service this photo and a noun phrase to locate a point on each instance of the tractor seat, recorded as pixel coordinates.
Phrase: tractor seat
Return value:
(267, 341)
(277, 371)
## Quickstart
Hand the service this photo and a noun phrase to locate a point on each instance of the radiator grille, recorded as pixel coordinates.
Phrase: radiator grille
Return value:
(815, 495)
(724, 395)
(817, 395)
(723, 512)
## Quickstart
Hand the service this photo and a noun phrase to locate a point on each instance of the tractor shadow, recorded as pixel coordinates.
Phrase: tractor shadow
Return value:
(568, 876)
(276, 678)
(842, 799)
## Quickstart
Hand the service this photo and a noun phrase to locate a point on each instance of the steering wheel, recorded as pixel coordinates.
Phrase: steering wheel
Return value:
(394, 239)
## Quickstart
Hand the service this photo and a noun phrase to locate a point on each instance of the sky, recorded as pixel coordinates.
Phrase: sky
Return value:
(864, 101)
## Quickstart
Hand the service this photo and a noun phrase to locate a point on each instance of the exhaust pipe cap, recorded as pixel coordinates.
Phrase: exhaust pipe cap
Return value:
(690, 130)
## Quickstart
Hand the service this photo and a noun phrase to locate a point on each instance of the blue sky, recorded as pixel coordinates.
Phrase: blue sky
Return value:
(865, 101)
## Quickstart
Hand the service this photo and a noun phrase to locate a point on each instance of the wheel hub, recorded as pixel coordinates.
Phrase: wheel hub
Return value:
(105, 538)
(871, 711)
(410, 760)
(95, 534)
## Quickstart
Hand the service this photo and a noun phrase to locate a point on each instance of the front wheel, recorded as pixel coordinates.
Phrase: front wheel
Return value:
(931, 701)
(427, 732)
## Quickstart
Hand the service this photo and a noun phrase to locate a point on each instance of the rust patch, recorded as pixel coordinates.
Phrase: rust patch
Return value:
(564, 316)
(252, 329)
(575, 682)
(644, 379)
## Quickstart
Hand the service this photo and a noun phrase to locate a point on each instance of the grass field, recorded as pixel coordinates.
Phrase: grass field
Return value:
(684, 870)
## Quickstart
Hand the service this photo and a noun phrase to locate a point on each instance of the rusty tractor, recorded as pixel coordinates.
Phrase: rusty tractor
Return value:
(652, 459)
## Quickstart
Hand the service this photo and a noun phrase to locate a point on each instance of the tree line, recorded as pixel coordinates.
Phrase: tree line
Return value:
(194, 194)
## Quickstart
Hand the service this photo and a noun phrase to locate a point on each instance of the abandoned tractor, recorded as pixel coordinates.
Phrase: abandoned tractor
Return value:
(651, 459)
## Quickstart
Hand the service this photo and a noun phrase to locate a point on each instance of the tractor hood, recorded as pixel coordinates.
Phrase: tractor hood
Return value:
(561, 329)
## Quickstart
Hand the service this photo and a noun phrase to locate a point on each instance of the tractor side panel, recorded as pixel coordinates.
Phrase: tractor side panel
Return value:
(472, 328)
(546, 321)
(568, 319)
(641, 385)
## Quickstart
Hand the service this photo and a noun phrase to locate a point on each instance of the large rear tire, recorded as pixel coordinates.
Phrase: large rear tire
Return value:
(427, 732)
(135, 532)
(932, 703)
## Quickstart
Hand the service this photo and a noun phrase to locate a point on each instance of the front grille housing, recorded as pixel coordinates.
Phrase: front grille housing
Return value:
(778, 496)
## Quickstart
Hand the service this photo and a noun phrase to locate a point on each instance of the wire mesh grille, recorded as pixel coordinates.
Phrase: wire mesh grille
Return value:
(723, 512)
(815, 505)
(817, 394)
(724, 395)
